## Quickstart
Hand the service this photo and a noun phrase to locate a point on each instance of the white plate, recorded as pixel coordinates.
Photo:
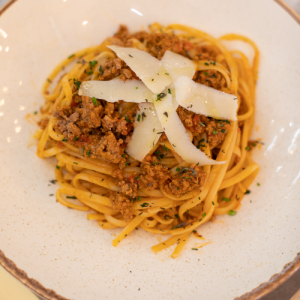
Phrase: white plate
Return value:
(64, 251)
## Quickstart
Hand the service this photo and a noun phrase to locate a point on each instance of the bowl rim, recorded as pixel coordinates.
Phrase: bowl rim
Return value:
(257, 293)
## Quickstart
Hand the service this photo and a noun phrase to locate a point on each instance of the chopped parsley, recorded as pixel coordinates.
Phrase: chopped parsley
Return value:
(92, 63)
(214, 75)
(207, 64)
(64, 140)
(136, 88)
(144, 204)
(100, 70)
(127, 120)
(88, 153)
(77, 138)
(247, 192)
(139, 118)
(126, 164)
(177, 169)
(203, 215)
(205, 73)
(169, 91)
(247, 148)
(226, 199)
(223, 130)
(130, 55)
(89, 72)
(165, 148)
(232, 213)
(215, 132)
(75, 163)
(123, 155)
(202, 124)
(160, 96)
(194, 248)
(35, 112)
(71, 197)
(213, 203)
(258, 184)
(72, 55)
(94, 101)
(77, 83)
(57, 167)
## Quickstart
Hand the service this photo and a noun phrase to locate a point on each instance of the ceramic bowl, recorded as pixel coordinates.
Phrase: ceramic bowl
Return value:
(65, 256)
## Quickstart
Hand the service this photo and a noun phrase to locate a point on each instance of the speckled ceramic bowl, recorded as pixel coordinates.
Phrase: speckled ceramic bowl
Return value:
(70, 257)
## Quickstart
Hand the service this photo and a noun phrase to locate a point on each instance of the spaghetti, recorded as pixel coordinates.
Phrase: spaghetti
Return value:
(162, 194)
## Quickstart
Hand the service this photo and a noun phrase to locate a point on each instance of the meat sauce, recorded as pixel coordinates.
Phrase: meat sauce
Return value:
(99, 130)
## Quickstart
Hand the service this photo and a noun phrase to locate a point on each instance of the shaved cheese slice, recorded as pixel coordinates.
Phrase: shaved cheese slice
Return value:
(147, 68)
(116, 89)
(205, 100)
(178, 65)
(147, 132)
(177, 134)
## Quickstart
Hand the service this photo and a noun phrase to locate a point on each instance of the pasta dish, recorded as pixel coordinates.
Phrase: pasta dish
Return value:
(151, 130)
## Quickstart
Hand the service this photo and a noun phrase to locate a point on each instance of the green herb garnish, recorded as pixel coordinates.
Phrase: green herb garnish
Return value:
(100, 70)
(92, 63)
(94, 101)
(232, 213)
(226, 199)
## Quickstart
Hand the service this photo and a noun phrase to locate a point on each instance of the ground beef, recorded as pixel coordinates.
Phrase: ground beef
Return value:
(186, 180)
(210, 78)
(216, 130)
(122, 204)
(115, 67)
(152, 174)
(118, 174)
(90, 113)
(98, 130)
(43, 123)
(129, 187)
(109, 148)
